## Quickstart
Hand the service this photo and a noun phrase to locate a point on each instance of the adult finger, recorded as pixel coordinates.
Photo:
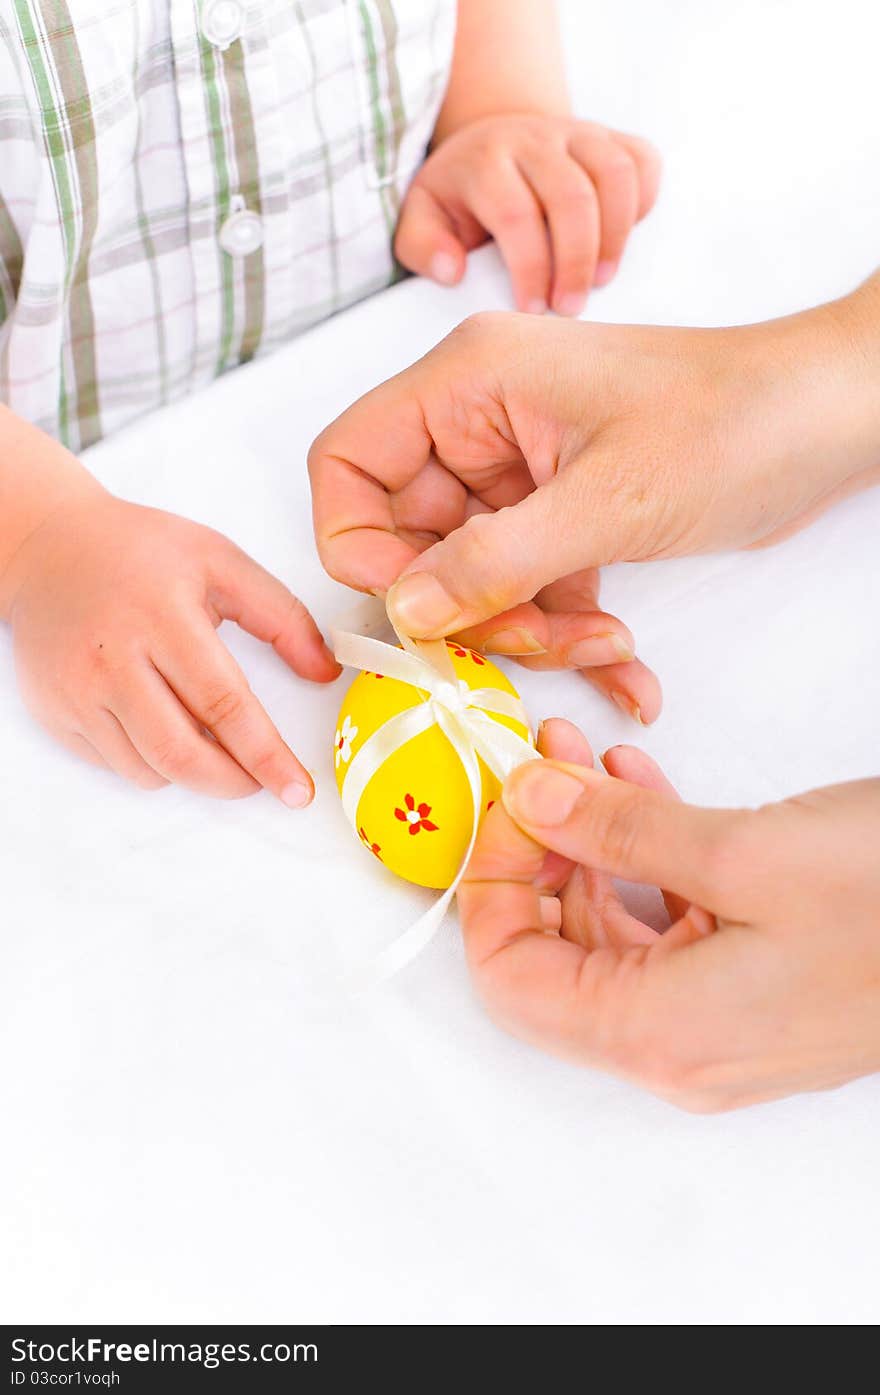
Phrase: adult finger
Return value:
(633, 688)
(591, 911)
(554, 640)
(497, 560)
(357, 465)
(627, 831)
(637, 767)
(558, 739)
(624, 1009)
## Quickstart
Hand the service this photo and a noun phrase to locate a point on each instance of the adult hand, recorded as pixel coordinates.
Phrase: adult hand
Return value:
(766, 983)
(491, 478)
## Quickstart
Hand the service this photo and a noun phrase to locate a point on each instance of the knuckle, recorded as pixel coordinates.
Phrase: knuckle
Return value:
(224, 707)
(476, 329)
(150, 781)
(513, 214)
(175, 755)
(574, 270)
(296, 610)
(577, 203)
(663, 1063)
(646, 152)
(316, 453)
(100, 654)
(475, 554)
(527, 272)
(618, 831)
(262, 764)
(690, 1102)
(591, 130)
(704, 1087)
(617, 165)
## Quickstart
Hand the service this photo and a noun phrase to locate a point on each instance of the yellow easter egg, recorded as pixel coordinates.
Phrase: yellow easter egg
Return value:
(416, 813)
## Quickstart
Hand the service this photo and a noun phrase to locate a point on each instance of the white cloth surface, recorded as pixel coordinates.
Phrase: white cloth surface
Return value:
(198, 1124)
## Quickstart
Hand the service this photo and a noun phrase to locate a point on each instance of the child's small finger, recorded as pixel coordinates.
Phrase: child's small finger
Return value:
(110, 739)
(426, 241)
(649, 168)
(80, 746)
(172, 743)
(505, 205)
(613, 173)
(572, 211)
(201, 671)
(256, 600)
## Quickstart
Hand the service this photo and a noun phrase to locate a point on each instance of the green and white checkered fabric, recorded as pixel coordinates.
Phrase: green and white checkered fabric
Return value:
(185, 184)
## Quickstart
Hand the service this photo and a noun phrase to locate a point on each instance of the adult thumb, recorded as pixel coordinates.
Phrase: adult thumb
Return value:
(425, 241)
(619, 828)
(493, 562)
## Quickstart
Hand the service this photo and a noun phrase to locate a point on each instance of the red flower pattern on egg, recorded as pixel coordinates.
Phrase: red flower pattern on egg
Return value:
(461, 653)
(375, 848)
(415, 815)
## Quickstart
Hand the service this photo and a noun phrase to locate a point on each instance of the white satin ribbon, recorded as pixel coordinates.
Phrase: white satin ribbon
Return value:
(461, 714)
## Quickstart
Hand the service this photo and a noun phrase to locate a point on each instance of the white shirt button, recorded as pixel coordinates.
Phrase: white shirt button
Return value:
(242, 232)
(222, 22)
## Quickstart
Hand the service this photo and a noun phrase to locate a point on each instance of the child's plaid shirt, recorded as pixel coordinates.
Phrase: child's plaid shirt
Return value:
(186, 183)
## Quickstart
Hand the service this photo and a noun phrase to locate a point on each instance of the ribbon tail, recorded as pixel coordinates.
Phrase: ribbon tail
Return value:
(405, 948)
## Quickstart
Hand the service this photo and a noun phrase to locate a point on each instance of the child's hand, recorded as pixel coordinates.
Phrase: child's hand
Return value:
(114, 613)
(559, 196)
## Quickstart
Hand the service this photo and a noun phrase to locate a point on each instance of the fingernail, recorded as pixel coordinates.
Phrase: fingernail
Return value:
(420, 606)
(296, 795)
(605, 272)
(513, 642)
(598, 650)
(444, 268)
(329, 655)
(537, 306)
(538, 794)
(571, 304)
(629, 706)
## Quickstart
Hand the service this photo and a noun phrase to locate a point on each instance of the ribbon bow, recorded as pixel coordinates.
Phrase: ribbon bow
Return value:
(461, 714)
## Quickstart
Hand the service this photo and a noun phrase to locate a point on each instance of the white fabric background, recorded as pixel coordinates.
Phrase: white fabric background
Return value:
(198, 1126)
